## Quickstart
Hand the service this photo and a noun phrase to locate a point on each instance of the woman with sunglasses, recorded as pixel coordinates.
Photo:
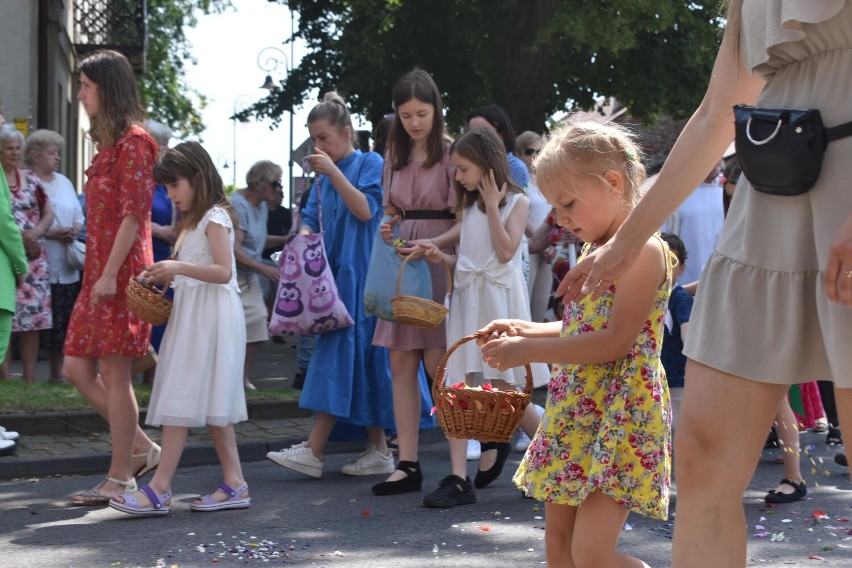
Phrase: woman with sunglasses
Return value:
(262, 181)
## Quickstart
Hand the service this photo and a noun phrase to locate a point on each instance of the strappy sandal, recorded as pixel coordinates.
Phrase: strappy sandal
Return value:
(152, 460)
(774, 496)
(130, 504)
(94, 497)
(234, 499)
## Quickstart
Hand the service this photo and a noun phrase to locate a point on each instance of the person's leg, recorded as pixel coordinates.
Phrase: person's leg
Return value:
(173, 444)
(843, 398)
(376, 437)
(320, 431)
(826, 393)
(251, 352)
(225, 441)
(28, 345)
(123, 414)
(723, 424)
(558, 535)
(56, 359)
(82, 373)
(788, 436)
(405, 366)
(594, 540)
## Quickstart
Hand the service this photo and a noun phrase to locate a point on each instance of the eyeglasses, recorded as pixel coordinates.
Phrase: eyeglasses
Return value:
(531, 151)
(276, 184)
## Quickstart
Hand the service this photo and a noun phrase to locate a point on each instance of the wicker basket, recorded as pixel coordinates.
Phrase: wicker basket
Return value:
(473, 414)
(416, 311)
(148, 302)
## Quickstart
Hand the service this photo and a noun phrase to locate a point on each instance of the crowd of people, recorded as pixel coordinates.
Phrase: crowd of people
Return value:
(644, 328)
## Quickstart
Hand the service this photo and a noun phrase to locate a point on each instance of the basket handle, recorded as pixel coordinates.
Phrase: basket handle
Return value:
(442, 367)
(419, 253)
(159, 292)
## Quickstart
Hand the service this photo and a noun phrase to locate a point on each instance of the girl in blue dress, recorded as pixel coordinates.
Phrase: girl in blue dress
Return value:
(348, 379)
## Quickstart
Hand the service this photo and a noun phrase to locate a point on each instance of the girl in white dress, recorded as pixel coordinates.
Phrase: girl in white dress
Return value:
(488, 282)
(199, 374)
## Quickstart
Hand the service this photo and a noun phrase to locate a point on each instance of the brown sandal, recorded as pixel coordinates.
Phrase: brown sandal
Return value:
(94, 498)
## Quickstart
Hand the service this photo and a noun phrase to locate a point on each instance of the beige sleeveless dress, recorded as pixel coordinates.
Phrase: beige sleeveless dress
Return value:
(761, 311)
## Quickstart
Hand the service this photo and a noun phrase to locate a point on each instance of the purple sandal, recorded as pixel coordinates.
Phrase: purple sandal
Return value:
(130, 505)
(234, 500)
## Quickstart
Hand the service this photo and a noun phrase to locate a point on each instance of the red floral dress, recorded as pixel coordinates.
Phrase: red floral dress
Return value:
(119, 183)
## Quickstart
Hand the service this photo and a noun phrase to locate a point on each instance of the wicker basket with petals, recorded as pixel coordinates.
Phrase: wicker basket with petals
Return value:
(148, 302)
(416, 311)
(478, 413)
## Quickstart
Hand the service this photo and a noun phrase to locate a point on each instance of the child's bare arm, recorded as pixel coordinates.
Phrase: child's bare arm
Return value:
(217, 273)
(631, 305)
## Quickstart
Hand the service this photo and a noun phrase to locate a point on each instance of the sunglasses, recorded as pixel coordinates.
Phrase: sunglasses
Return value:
(531, 151)
(276, 184)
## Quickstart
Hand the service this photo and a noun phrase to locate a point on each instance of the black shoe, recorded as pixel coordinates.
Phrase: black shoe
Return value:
(452, 491)
(483, 478)
(833, 437)
(299, 380)
(840, 459)
(405, 485)
(780, 497)
(771, 440)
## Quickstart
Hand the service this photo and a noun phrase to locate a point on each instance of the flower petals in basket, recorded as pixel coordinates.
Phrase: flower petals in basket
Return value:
(478, 413)
(148, 302)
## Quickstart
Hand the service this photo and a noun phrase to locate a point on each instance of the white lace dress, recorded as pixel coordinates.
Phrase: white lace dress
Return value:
(199, 377)
(485, 289)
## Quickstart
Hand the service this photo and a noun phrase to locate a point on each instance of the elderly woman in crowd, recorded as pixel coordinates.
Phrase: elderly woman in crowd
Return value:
(263, 180)
(34, 216)
(42, 154)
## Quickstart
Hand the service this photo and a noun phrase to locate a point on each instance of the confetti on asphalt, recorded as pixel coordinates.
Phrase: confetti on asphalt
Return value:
(484, 528)
(815, 557)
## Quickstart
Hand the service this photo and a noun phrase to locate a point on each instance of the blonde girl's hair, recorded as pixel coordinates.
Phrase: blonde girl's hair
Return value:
(118, 99)
(190, 161)
(485, 150)
(333, 109)
(589, 149)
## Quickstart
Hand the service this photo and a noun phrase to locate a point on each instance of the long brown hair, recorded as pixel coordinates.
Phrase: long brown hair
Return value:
(486, 151)
(416, 84)
(118, 107)
(190, 161)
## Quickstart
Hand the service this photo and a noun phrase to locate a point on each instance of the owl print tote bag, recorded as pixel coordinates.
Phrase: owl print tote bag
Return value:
(307, 302)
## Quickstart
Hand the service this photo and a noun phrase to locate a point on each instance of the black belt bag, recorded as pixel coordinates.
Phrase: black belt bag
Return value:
(781, 150)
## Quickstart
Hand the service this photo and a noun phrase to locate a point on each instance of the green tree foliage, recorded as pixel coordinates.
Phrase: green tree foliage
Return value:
(534, 57)
(163, 88)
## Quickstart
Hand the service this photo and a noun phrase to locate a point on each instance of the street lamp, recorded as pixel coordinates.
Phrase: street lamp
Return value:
(240, 103)
(273, 60)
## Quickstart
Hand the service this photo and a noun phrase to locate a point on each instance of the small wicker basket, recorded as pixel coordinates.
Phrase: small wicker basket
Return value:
(473, 414)
(148, 302)
(416, 311)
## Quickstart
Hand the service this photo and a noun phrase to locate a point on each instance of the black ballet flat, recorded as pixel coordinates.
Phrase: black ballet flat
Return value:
(409, 484)
(483, 478)
(780, 497)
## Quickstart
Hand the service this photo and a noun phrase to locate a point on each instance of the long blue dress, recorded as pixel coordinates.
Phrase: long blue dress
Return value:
(348, 377)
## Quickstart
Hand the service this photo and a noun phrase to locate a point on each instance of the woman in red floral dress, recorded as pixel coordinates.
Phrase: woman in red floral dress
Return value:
(103, 335)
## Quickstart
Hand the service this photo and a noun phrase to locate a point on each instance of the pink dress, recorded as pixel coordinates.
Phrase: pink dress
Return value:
(414, 188)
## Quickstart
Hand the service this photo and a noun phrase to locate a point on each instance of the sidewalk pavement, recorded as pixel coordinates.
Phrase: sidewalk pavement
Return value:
(78, 443)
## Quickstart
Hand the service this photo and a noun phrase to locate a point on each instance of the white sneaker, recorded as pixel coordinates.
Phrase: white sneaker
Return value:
(8, 434)
(523, 442)
(299, 458)
(7, 447)
(473, 450)
(370, 462)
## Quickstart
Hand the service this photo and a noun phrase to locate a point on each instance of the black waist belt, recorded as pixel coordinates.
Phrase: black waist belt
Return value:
(421, 214)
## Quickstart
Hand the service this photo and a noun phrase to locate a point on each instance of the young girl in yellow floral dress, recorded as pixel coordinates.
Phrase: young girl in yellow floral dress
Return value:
(603, 448)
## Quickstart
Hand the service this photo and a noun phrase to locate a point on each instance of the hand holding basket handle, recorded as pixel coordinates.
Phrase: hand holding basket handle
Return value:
(477, 414)
(416, 311)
